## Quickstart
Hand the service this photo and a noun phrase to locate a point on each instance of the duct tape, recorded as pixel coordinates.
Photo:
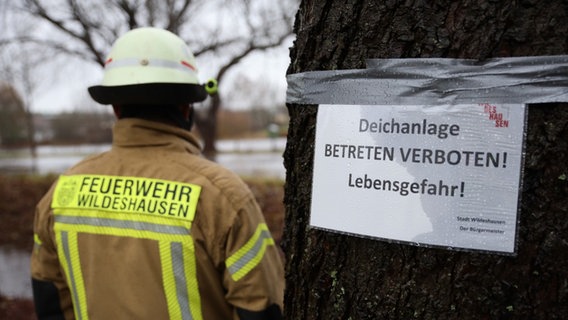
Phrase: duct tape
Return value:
(536, 79)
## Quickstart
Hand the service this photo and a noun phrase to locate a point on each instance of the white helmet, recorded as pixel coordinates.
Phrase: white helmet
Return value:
(149, 66)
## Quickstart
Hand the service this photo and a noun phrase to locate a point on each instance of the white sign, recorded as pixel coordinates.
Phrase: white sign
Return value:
(434, 175)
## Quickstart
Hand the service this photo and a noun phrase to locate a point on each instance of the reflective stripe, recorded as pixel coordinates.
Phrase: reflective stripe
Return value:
(175, 280)
(190, 269)
(177, 254)
(37, 243)
(37, 240)
(250, 255)
(68, 253)
(121, 224)
(124, 224)
(180, 280)
(183, 66)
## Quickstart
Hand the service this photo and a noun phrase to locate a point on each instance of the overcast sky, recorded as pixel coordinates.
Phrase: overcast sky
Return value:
(265, 71)
(61, 82)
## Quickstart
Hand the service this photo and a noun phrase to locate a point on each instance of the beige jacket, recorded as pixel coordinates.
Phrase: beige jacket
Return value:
(152, 230)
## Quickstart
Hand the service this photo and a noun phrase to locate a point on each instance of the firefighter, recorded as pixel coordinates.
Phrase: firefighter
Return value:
(151, 229)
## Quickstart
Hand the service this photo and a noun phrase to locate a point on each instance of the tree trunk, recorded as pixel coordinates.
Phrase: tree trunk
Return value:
(206, 123)
(30, 131)
(334, 276)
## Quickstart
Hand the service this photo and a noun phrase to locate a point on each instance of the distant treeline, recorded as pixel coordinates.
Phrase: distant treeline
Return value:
(96, 127)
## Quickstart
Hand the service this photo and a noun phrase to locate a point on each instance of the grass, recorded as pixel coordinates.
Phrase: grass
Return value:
(18, 196)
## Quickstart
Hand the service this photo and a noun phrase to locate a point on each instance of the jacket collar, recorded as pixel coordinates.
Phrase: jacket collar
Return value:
(131, 132)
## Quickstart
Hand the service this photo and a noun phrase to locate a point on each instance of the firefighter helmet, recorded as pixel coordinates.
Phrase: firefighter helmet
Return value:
(149, 66)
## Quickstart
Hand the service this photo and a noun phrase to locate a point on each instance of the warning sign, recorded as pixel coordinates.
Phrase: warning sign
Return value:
(433, 175)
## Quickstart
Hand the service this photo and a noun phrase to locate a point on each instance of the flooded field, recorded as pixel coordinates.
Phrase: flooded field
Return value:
(15, 280)
(252, 157)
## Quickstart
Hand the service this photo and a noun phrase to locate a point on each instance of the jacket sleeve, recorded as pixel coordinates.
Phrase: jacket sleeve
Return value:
(46, 300)
(50, 292)
(254, 276)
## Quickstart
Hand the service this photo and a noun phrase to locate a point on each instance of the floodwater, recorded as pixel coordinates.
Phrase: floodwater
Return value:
(251, 157)
(258, 157)
(15, 280)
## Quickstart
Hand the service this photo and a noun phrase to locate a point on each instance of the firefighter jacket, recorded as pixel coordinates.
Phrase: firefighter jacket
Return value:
(152, 230)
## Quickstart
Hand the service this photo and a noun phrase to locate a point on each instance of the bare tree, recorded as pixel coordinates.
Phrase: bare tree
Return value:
(12, 117)
(17, 67)
(225, 30)
(19, 62)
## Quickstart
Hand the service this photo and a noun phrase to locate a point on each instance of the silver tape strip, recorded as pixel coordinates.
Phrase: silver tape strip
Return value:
(539, 79)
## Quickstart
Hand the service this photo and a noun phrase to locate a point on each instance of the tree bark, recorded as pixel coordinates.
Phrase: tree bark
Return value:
(334, 276)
